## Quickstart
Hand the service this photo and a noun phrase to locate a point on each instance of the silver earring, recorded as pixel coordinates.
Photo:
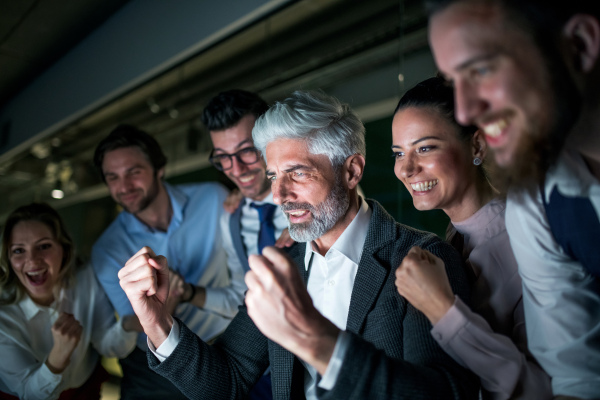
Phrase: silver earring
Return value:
(477, 161)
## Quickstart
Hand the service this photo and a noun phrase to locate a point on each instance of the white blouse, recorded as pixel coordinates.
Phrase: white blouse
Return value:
(26, 340)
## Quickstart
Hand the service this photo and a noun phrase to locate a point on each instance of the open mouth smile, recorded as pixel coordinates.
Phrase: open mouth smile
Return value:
(424, 186)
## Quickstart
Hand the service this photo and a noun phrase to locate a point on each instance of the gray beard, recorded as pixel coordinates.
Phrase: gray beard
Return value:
(324, 215)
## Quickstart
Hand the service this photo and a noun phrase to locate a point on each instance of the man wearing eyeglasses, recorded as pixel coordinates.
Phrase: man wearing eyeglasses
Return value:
(257, 221)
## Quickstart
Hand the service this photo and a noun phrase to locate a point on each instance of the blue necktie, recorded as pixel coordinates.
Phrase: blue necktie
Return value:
(266, 235)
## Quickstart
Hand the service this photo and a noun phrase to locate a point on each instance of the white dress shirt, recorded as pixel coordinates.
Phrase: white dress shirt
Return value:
(26, 340)
(330, 285)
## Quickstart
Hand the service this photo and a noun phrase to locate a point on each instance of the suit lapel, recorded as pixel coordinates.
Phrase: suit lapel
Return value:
(235, 227)
(371, 274)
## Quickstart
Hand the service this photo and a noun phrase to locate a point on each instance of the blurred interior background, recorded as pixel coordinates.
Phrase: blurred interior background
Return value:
(73, 70)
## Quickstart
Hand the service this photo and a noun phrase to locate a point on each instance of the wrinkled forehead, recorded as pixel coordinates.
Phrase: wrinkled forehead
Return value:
(286, 154)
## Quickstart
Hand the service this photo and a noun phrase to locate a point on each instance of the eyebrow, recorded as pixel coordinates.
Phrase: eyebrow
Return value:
(290, 169)
(484, 57)
(239, 145)
(127, 170)
(37, 241)
(417, 141)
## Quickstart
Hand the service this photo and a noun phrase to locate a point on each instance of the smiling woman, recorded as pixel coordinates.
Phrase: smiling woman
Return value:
(440, 163)
(54, 317)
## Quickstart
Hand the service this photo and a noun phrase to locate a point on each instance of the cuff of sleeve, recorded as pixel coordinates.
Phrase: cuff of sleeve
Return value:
(49, 376)
(213, 299)
(335, 364)
(449, 325)
(168, 346)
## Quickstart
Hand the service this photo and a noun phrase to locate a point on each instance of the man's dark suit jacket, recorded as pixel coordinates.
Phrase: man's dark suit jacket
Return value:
(392, 355)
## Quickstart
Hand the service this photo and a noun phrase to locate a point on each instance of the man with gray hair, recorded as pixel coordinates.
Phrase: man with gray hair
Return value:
(326, 316)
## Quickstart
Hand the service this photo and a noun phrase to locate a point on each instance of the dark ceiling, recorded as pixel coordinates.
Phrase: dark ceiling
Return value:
(339, 40)
(35, 33)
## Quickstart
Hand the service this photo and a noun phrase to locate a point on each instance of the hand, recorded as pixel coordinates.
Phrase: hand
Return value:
(421, 278)
(145, 280)
(285, 240)
(66, 333)
(282, 309)
(232, 201)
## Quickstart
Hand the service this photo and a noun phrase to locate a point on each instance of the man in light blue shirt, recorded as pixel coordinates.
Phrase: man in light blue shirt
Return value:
(181, 222)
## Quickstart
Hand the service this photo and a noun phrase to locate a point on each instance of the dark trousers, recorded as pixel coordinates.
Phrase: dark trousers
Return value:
(140, 382)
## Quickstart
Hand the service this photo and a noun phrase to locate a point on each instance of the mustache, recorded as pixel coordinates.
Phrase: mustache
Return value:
(296, 206)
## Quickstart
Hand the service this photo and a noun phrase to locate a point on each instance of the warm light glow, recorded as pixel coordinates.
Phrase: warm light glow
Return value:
(401, 77)
(58, 194)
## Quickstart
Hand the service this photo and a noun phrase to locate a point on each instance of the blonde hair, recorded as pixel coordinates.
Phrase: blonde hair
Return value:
(11, 289)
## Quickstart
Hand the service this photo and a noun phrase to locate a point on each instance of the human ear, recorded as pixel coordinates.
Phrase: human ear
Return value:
(354, 167)
(160, 173)
(478, 145)
(583, 34)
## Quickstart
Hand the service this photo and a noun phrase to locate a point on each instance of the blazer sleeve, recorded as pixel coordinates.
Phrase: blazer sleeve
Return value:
(228, 369)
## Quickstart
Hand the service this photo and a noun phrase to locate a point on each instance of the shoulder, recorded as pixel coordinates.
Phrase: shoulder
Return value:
(394, 238)
(202, 189)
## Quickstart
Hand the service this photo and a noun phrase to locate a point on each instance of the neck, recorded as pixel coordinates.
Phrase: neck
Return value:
(158, 214)
(324, 243)
(475, 197)
(262, 195)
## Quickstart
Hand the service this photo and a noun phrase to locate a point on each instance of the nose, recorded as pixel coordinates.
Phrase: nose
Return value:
(125, 184)
(279, 190)
(468, 102)
(408, 167)
(237, 168)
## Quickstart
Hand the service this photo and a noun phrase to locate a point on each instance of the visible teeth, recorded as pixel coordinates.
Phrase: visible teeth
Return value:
(297, 213)
(34, 273)
(424, 186)
(246, 179)
(495, 129)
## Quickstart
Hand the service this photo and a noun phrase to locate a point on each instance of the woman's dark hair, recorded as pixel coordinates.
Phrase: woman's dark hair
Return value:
(227, 108)
(435, 93)
(130, 136)
(11, 290)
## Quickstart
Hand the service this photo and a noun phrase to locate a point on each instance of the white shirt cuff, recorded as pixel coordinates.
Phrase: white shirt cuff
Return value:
(168, 346)
(335, 363)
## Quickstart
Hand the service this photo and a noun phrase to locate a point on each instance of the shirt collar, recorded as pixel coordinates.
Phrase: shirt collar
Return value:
(178, 201)
(29, 308)
(351, 242)
(268, 199)
(570, 175)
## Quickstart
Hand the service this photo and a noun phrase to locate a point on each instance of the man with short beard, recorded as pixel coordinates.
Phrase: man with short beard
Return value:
(180, 221)
(328, 317)
(528, 74)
